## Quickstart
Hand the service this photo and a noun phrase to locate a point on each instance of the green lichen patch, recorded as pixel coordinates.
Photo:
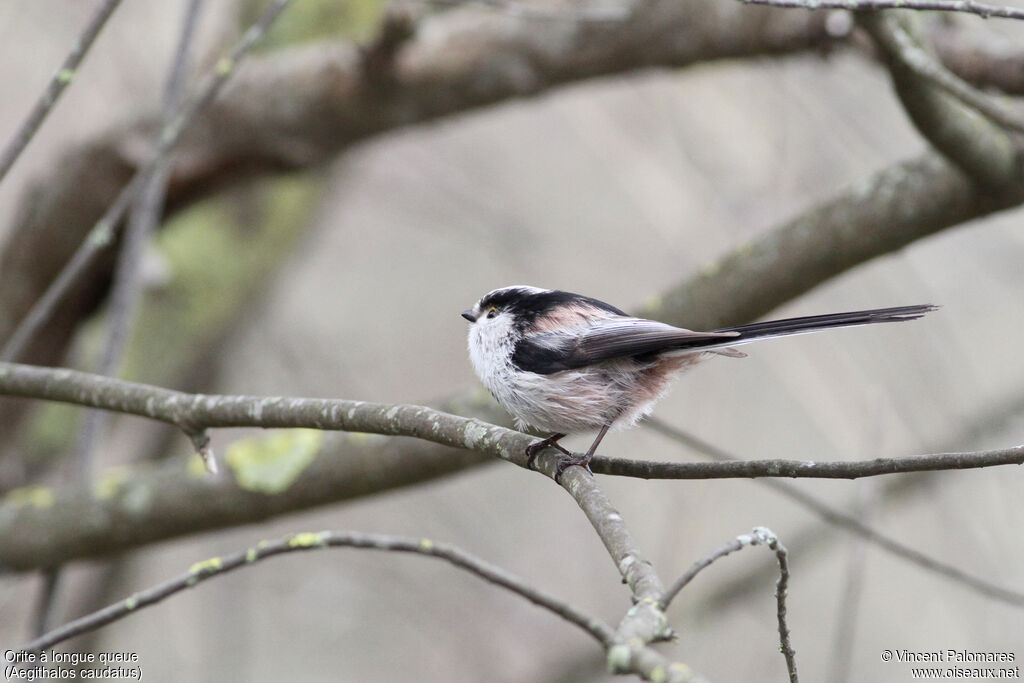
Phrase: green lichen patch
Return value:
(272, 464)
(306, 539)
(110, 483)
(31, 496)
(210, 566)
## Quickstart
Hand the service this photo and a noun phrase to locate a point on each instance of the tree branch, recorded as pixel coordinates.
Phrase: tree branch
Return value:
(194, 413)
(980, 9)
(884, 213)
(851, 524)
(217, 566)
(39, 529)
(899, 44)
(986, 60)
(759, 536)
(645, 623)
(962, 124)
(470, 59)
(804, 469)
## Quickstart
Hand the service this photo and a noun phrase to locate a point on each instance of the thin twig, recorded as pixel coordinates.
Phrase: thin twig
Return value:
(60, 81)
(697, 567)
(218, 566)
(759, 536)
(981, 9)
(126, 289)
(851, 524)
(781, 586)
(102, 234)
(806, 469)
(45, 610)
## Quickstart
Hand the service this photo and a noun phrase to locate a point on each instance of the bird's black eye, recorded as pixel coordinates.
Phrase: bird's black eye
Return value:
(491, 312)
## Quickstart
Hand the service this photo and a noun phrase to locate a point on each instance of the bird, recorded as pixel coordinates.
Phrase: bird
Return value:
(563, 363)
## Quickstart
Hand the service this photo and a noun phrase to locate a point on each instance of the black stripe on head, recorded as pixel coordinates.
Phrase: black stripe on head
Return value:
(528, 304)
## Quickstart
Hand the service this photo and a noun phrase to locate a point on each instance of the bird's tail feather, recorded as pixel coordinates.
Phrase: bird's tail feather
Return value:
(813, 323)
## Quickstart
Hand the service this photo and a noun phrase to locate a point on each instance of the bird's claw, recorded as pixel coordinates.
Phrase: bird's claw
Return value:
(532, 451)
(572, 461)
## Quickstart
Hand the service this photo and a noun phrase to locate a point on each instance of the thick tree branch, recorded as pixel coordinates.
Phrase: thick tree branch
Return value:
(301, 107)
(884, 213)
(961, 123)
(219, 566)
(986, 60)
(898, 43)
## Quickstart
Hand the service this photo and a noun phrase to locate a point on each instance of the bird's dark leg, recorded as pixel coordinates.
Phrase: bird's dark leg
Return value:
(584, 462)
(534, 449)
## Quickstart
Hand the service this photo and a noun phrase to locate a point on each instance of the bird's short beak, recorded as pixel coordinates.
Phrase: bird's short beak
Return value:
(468, 315)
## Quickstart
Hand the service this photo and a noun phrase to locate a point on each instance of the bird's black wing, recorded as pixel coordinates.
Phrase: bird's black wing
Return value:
(604, 340)
(622, 337)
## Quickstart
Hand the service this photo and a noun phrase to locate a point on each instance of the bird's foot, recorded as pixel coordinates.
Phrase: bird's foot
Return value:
(572, 461)
(534, 449)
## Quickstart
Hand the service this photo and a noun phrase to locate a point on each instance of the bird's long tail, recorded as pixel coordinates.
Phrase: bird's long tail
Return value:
(813, 323)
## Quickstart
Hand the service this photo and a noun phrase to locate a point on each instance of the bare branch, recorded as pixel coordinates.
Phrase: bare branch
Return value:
(217, 566)
(597, 12)
(781, 556)
(122, 509)
(806, 469)
(196, 412)
(980, 9)
(851, 524)
(738, 543)
(760, 536)
(645, 623)
(61, 79)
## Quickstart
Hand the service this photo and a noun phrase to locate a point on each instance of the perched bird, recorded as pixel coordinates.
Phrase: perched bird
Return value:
(564, 362)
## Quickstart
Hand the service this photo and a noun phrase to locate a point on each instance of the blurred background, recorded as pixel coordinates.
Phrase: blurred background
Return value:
(345, 279)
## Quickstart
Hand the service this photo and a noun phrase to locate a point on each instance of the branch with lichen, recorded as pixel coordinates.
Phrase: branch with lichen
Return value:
(218, 566)
(646, 622)
(81, 522)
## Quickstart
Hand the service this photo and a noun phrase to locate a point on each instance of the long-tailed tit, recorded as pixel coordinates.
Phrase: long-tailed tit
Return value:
(564, 363)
